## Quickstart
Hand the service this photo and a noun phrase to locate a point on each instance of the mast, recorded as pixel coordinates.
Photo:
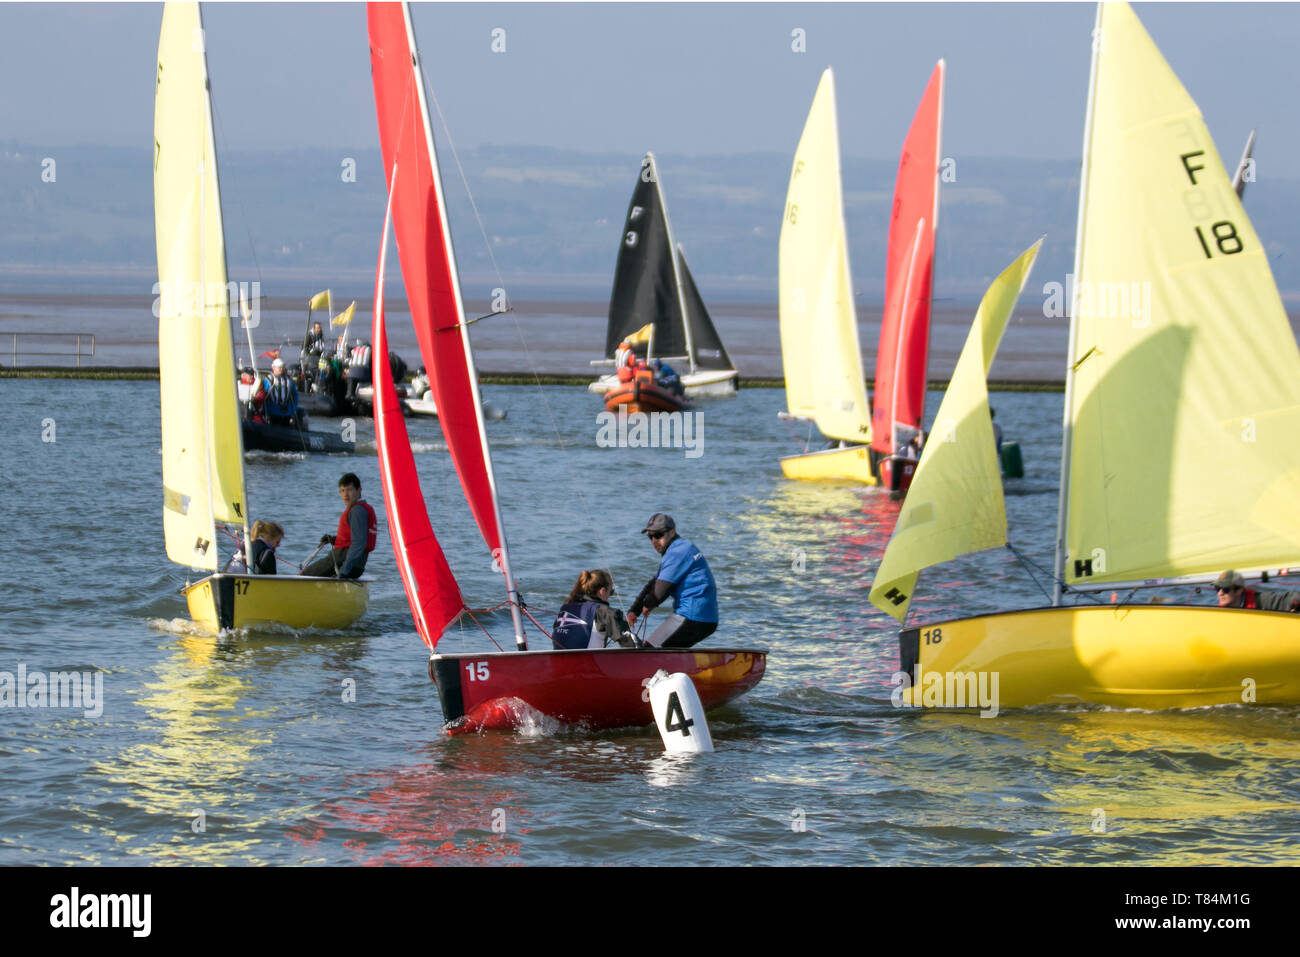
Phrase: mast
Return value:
(672, 251)
(1058, 568)
(503, 560)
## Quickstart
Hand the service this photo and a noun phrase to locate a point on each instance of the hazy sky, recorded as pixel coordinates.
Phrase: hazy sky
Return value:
(683, 78)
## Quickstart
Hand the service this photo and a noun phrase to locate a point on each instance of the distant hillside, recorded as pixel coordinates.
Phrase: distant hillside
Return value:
(553, 218)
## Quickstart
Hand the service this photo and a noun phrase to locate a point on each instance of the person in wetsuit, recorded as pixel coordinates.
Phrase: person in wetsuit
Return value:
(586, 620)
(684, 574)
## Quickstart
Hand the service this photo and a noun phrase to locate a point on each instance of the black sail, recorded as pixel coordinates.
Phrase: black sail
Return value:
(645, 289)
(709, 352)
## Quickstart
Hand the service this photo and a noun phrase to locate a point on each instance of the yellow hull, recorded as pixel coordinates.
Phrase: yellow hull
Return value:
(1127, 656)
(852, 464)
(241, 601)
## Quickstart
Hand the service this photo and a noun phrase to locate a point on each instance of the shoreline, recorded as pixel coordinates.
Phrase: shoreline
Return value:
(142, 373)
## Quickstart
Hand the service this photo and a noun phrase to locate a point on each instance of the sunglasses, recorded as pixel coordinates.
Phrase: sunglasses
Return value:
(655, 536)
(1232, 588)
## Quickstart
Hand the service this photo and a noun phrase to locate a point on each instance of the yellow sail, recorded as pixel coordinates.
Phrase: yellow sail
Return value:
(819, 330)
(955, 503)
(1185, 402)
(202, 456)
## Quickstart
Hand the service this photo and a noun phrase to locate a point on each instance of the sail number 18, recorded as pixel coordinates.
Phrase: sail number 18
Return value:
(932, 636)
(1225, 238)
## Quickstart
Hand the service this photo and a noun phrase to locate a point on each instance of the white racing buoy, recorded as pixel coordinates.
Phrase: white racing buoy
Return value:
(678, 713)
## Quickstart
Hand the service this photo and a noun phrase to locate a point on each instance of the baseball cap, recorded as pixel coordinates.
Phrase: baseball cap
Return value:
(1230, 579)
(659, 522)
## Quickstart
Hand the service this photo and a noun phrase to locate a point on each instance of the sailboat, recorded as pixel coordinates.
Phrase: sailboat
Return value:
(819, 336)
(653, 287)
(902, 359)
(597, 688)
(202, 450)
(819, 326)
(1179, 458)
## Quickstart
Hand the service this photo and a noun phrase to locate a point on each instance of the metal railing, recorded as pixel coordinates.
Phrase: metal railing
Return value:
(75, 345)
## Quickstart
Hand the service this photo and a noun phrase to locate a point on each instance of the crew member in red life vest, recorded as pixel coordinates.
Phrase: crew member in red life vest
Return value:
(625, 362)
(355, 539)
(1233, 593)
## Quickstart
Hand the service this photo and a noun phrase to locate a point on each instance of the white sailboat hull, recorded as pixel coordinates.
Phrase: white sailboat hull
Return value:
(705, 383)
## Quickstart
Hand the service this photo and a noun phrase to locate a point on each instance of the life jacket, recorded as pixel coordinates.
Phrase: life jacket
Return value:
(574, 625)
(1248, 599)
(280, 398)
(343, 537)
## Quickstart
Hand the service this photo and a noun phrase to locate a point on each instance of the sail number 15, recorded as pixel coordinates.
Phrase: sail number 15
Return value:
(478, 670)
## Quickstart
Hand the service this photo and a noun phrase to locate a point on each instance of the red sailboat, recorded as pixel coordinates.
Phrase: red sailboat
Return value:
(599, 688)
(901, 360)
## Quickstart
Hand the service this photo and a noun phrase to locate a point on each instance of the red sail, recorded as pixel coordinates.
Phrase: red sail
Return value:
(428, 263)
(431, 589)
(903, 356)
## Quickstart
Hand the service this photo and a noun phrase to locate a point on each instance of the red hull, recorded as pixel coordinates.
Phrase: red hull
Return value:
(896, 474)
(641, 396)
(602, 688)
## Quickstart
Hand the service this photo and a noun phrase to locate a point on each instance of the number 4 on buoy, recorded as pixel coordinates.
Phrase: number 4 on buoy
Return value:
(678, 713)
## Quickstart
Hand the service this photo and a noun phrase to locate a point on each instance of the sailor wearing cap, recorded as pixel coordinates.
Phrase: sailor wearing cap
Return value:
(281, 397)
(684, 574)
(1233, 593)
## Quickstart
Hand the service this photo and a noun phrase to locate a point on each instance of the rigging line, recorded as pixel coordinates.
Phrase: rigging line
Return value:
(482, 629)
(446, 131)
(239, 198)
(1065, 588)
(501, 282)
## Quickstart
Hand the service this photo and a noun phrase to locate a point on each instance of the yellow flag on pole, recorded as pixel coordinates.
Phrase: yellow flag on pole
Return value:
(319, 301)
(344, 317)
(642, 335)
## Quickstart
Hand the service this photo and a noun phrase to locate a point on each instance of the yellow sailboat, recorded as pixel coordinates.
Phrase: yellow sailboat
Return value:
(1179, 460)
(202, 450)
(819, 329)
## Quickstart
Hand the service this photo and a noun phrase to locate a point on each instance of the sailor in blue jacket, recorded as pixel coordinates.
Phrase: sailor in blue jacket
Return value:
(684, 574)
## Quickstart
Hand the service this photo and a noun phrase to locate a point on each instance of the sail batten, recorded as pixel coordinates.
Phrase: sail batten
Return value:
(202, 449)
(1181, 459)
(819, 331)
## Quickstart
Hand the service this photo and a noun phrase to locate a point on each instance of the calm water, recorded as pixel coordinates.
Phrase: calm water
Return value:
(812, 767)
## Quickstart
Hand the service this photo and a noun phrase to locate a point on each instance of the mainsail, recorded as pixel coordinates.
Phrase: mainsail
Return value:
(431, 589)
(429, 268)
(1183, 399)
(955, 504)
(903, 355)
(202, 450)
(819, 329)
(645, 281)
